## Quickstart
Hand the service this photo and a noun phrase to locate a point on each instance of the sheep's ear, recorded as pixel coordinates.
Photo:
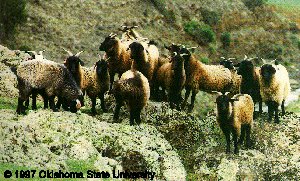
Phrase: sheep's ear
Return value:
(233, 99)
(216, 92)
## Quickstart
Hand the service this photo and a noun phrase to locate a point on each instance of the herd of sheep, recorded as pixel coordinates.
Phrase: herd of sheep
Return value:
(144, 74)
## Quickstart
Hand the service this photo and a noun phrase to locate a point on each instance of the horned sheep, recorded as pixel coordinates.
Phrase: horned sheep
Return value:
(235, 115)
(274, 88)
(50, 76)
(171, 77)
(132, 88)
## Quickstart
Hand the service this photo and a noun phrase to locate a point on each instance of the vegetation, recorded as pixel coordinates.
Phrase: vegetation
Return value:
(226, 39)
(252, 4)
(12, 13)
(202, 33)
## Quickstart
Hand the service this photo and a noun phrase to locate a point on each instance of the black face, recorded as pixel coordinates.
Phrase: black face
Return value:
(72, 63)
(101, 67)
(227, 64)
(177, 62)
(223, 103)
(267, 71)
(245, 67)
(108, 43)
(185, 51)
(73, 108)
(173, 48)
(136, 48)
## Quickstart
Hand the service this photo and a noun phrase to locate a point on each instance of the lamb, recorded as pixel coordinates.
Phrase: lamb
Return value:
(250, 81)
(274, 88)
(119, 57)
(200, 76)
(145, 60)
(50, 76)
(235, 115)
(97, 83)
(171, 76)
(132, 88)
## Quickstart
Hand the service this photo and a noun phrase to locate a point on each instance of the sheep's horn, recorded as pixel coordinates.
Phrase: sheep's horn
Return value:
(264, 61)
(113, 35)
(252, 58)
(77, 54)
(110, 34)
(216, 92)
(183, 54)
(226, 93)
(231, 58)
(34, 52)
(245, 58)
(70, 53)
(223, 58)
(174, 53)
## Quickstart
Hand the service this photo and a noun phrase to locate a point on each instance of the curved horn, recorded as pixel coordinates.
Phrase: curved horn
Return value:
(113, 35)
(70, 53)
(226, 93)
(245, 58)
(174, 53)
(216, 92)
(264, 61)
(110, 34)
(231, 58)
(77, 54)
(252, 58)
(223, 58)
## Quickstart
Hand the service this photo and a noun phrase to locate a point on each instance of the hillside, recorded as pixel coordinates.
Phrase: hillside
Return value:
(175, 144)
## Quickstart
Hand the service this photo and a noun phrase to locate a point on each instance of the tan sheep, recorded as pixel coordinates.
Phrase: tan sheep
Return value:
(145, 60)
(274, 88)
(235, 115)
(132, 88)
(171, 77)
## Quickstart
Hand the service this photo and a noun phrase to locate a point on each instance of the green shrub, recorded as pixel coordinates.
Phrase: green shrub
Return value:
(202, 33)
(210, 17)
(226, 39)
(252, 4)
(24, 48)
(205, 60)
(12, 13)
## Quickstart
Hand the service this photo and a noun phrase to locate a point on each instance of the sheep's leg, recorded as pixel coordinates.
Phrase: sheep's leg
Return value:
(260, 106)
(34, 95)
(227, 136)
(52, 104)
(235, 141)
(138, 116)
(20, 108)
(27, 103)
(270, 111)
(187, 94)
(117, 111)
(243, 131)
(59, 102)
(93, 99)
(282, 107)
(192, 101)
(103, 107)
(276, 112)
(248, 132)
(112, 76)
(45, 101)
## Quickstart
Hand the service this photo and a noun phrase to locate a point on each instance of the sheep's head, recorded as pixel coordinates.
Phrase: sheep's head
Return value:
(227, 63)
(223, 101)
(173, 47)
(267, 71)
(177, 61)
(101, 67)
(109, 43)
(246, 67)
(136, 50)
(187, 51)
(72, 63)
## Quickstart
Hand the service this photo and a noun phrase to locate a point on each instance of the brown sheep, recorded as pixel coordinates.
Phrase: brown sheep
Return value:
(119, 56)
(235, 115)
(171, 77)
(132, 88)
(145, 60)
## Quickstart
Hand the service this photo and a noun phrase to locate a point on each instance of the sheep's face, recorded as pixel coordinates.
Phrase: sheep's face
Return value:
(73, 63)
(187, 53)
(173, 48)
(267, 71)
(101, 67)
(223, 103)
(245, 67)
(227, 64)
(177, 62)
(136, 49)
(108, 44)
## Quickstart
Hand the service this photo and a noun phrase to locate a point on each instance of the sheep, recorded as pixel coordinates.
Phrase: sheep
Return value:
(236, 79)
(145, 60)
(119, 57)
(200, 76)
(171, 76)
(98, 83)
(54, 78)
(274, 88)
(250, 81)
(235, 115)
(132, 88)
